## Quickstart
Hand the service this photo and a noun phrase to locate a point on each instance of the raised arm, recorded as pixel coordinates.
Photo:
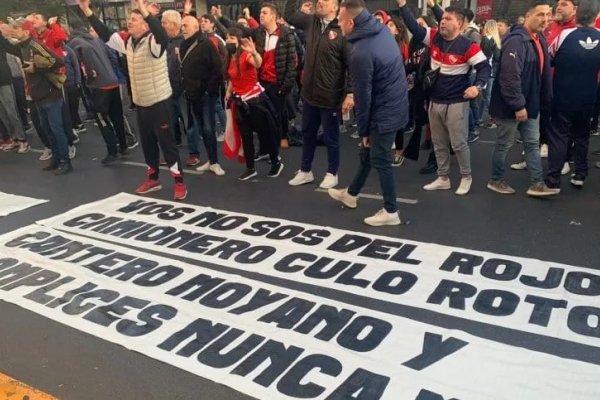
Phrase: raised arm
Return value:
(421, 34)
(111, 38)
(296, 16)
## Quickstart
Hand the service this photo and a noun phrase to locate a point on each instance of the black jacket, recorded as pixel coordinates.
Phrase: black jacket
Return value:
(325, 82)
(201, 66)
(5, 73)
(174, 65)
(520, 84)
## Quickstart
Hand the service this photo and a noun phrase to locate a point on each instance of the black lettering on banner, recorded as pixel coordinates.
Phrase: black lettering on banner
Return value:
(290, 384)
(434, 349)
(285, 232)
(551, 281)
(379, 249)
(260, 228)
(279, 357)
(134, 232)
(457, 294)
(348, 243)
(542, 309)
(8, 262)
(213, 357)
(131, 269)
(289, 313)
(583, 283)
(156, 233)
(312, 237)
(99, 225)
(154, 209)
(40, 296)
(427, 395)
(334, 320)
(285, 264)
(585, 321)
(261, 298)
(500, 270)
(70, 294)
(464, 262)
(152, 317)
(104, 315)
(40, 278)
(21, 240)
(349, 276)
(91, 252)
(499, 303)
(229, 223)
(178, 239)
(403, 254)
(201, 330)
(105, 263)
(354, 338)
(17, 272)
(49, 243)
(199, 286)
(395, 282)
(319, 270)
(255, 255)
(158, 276)
(66, 251)
(135, 206)
(228, 249)
(123, 227)
(83, 219)
(77, 305)
(202, 243)
(175, 213)
(204, 219)
(226, 295)
(369, 385)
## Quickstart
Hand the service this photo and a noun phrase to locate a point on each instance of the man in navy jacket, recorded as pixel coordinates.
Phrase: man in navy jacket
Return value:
(381, 104)
(522, 89)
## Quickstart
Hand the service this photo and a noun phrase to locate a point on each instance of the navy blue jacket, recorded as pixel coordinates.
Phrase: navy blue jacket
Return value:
(378, 78)
(73, 68)
(520, 84)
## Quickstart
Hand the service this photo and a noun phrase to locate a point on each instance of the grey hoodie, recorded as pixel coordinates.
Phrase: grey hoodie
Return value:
(93, 54)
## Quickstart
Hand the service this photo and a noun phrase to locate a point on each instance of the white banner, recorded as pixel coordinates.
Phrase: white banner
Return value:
(418, 321)
(11, 203)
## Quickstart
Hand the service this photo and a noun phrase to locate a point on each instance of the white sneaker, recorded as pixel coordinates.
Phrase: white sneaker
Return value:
(344, 197)
(46, 154)
(438, 184)
(519, 166)
(301, 178)
(565, 169)
(72, 152)
(23, 148)
(544, 151)
(329, 181)
(204, 167)
(221, 137)
(382, 217)
(216, 169)
(465, 186)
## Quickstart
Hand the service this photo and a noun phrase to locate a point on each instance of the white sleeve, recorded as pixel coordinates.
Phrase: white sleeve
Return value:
(116, 42)
(155, 48)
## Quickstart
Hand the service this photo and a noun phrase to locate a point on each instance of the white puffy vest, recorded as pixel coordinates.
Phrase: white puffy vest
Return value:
(149, 75)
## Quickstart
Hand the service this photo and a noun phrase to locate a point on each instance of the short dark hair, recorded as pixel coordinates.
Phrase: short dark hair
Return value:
(209, 17)
(469, 14)
(272, 7)
(44, 16)
(354, 6)
(537, 3)
(504, 21)
(136, 11)
(587, 11)
(458, 11)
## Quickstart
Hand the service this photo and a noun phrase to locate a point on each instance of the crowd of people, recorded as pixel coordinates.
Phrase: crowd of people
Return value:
(390, 74)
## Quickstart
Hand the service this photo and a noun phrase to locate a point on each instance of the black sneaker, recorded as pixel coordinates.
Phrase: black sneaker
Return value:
(123, 151)
(473, 137)
(596, 152)
(260, 157)
(63, 168)
(577, 180)
(278, 159)
(275, 170)
(132, 142)
(109, 159)
(248, 174)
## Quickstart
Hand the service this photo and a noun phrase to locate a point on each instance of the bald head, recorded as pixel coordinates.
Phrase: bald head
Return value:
(189, 26)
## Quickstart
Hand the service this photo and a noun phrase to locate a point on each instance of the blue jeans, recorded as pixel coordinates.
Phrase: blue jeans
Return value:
(378, 156)
(203, 108)
(175, 112)
(329, 118)
(505, 137)
(220, 112)
(51, 119)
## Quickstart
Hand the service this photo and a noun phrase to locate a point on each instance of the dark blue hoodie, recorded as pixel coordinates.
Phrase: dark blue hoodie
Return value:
(378, 78)
(520, 82)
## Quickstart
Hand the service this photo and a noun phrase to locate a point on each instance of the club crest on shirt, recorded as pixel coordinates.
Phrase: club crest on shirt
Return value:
(332, 35)
(453, 59)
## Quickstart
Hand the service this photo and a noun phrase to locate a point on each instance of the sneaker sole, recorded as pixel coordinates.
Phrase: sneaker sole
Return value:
(493, 189)
(248, 177)
(328, 186)
(278, 173)
(341, 200)
(153, 189)
(577, 184)
(390, 223)
(437, 188)
(301, 183)
(544, 194)
(179, 198)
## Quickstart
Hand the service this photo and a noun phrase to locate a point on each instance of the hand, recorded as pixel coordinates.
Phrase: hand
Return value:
(141, 5)
(29, 68)
(521, 115)
(401, 3)
(348, 104)
(247, 44)
(430, 3)
(307, 7)
(84, 5)
(153, 9)
(366, 142)
(52, 21)
(227, 97)
(246, 12)
(471, 93)
(187, 7)
(216, 11)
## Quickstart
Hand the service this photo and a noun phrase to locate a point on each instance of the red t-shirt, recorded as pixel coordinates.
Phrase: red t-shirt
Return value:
(268, 69)
(246, 79)
(540, 50)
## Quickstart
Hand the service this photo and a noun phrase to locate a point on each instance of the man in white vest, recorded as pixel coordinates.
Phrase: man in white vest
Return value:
(150, 87)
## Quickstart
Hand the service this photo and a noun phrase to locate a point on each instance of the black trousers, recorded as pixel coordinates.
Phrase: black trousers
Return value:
(568, 127)
(35, 119)
(109, 117)
(21, 99)
(279, 102)
(73, 96)
(256, 115)
(156, 136)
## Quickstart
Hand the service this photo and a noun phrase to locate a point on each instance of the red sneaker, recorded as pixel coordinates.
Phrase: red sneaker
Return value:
(9, 145)
(192, 161)
(180, 191)
(149, 185)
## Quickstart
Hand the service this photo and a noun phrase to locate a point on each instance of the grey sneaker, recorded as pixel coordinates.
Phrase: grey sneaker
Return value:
(500, 187)
(541, 190)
